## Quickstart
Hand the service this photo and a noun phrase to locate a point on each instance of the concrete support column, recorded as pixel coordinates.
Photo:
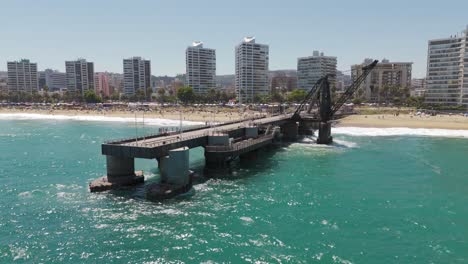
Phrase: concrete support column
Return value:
(290, 131)
(120, 170)
(216, 159)
(175, 167)
(324, 136)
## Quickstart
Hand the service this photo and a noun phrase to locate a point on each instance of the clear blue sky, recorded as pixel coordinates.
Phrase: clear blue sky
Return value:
(51, 31)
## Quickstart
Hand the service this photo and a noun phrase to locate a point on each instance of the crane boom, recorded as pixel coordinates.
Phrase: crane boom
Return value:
(312, 92)
(354, 86)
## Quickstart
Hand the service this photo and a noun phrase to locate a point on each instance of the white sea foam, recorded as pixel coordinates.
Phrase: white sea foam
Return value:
(399, 131)
(312, 142)
(148, 121)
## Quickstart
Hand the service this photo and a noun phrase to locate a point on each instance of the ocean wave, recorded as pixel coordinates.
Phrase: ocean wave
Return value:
(148, 121)
(399, 131)
(312, 142)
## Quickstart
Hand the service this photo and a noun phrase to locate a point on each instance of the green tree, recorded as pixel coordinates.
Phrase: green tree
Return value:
(55, 98)
(91, 97)
(139, 95)
(115, 96)
(277, 97)
(297, 95)
(186, 95)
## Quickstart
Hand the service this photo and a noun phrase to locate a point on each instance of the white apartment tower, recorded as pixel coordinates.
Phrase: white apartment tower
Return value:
(79, 75)
(447, 70)
(22, 76)
(137, 76)
(251, 70)
(311, 69)
(200, 68)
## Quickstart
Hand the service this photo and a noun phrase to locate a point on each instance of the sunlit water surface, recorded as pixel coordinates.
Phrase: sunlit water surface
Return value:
(395, 199)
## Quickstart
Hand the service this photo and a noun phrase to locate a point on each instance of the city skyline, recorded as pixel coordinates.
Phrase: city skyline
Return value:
(356, 32)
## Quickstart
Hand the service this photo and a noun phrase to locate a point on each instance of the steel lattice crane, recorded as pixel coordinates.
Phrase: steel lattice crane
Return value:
(327, 109)
(321, 92)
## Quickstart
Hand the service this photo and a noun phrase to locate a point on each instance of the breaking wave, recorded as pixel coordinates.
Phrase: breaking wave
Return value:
(399, 131)
(148, 121)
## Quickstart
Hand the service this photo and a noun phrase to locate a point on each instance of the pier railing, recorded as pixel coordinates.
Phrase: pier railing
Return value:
(189, 129)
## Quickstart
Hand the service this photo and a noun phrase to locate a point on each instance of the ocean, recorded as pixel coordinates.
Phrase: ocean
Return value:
(374, 196)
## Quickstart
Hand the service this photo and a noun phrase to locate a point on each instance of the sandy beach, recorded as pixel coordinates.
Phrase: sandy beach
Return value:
(188, 113)
(406, 120)
(229, 114)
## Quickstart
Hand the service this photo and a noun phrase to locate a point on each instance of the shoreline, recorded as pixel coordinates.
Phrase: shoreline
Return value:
(449, 122)
(191, 117)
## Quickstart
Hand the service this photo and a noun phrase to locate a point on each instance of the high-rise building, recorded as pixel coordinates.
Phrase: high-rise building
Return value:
(447, 70)
(251, 70)
(137, 76)
(3, 81)
(311, 69)
(54, 80)
(418, 87)
(343, 81)
(79, 75)
(101, 84)
(200, 68)
(385, 74)
(22, 76)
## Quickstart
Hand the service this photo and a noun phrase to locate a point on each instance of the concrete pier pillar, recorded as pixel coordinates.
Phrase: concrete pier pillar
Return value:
(120, 172)
(290, 131)
(216, 159)
(324, 135)
(174, 168)
(175, 176)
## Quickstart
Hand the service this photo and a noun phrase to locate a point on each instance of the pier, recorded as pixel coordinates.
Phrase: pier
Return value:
(222, 143)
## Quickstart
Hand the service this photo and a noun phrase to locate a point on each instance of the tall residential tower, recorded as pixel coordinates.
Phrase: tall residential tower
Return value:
(22, 76)
(311, 69)
(200, 68)
(79, 75)
(251, 70)
(137, 76)
(447, 70)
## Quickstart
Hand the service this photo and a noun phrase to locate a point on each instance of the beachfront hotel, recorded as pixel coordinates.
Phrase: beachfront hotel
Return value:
(447, 70)
(22, 76)
(200, 66)
(251, 77)
(79, 75)
(386, 73)
(311, 69)
(137, 76)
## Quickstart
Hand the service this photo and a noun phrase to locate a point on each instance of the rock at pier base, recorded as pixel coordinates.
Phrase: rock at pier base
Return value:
(103, 184)
(162, 191)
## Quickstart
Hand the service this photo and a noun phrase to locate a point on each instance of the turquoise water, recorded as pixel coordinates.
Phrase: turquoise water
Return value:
(366, 200)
